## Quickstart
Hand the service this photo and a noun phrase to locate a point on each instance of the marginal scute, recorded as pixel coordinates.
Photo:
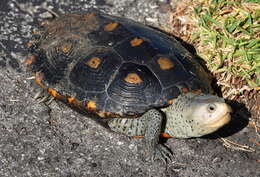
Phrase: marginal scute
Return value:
(133, 78)
(73, 101)
(136, 42)
(104, 114)
(101, 114)
(54, 93)
(91, 105)
(94, 62)
(110, 26)
(165, 63)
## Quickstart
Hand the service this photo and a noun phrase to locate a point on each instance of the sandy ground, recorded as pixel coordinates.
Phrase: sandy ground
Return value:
(39, 141)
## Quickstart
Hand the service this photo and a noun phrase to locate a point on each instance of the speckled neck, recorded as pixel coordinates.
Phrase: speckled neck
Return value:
(177, 125)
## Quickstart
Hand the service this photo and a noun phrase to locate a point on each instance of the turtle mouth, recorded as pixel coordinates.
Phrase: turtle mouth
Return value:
(221, 121)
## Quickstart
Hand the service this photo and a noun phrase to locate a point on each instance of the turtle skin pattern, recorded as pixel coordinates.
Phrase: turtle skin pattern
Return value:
(111, 66)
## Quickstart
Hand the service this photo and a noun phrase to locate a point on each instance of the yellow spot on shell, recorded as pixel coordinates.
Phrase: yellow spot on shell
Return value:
(66, 47)
(110, 26)
(136, 42)
(133, 78)
(165, 63)
(94, 62)
(91, 105)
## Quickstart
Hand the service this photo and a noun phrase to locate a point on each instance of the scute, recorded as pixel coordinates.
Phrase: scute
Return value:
(129, 95)
(103, 37)
(95, 78)
(140, 53)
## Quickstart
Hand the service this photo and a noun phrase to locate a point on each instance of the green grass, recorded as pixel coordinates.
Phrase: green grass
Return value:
(229, 37)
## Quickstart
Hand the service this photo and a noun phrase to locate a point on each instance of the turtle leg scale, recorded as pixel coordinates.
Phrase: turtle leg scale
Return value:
(148, 125)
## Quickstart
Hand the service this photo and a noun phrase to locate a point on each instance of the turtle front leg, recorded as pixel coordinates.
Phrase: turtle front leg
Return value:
(148, 125)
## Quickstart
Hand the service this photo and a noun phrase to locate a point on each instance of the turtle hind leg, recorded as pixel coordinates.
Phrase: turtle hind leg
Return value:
(148, 125)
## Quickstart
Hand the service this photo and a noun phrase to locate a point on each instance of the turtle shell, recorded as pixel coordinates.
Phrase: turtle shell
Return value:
(112, 66)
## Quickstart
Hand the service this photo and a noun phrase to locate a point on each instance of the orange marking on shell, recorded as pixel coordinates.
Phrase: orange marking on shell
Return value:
(38, 79)
(136, 42)
(108, 114)
(185, 90)
(88, 16)
(165, 63)
(198, 91)
(91, 105)
(66, 47)
(133, 78)
(165, 135)
(71, 99)
(94, 62)
(101, 114)
(110, 26)
(29, 60)
(170, 101)
(54, 93)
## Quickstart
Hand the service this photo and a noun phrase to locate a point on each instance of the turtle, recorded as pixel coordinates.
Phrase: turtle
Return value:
(139, 81)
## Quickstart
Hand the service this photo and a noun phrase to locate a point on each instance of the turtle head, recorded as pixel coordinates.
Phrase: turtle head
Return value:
(195, 115)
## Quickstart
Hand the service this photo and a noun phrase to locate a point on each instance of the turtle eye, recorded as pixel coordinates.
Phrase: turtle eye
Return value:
(211, 108)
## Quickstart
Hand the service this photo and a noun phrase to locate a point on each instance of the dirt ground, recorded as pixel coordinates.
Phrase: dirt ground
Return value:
(39, 141)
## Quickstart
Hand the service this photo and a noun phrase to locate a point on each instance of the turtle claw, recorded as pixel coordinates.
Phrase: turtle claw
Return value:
(162, 153)
(38, 95)
(46, 98)
(43, 97)
(49, 101)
